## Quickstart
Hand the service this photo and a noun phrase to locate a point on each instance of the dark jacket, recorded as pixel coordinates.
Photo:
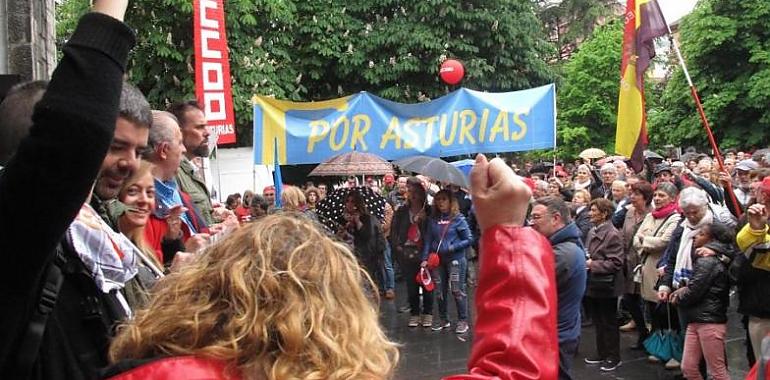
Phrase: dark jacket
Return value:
(570, 259)
(583, 223)
(605, 247)
(672, 250)
(753, 283)
(399, 228)
(73, 126)
(708, 292)
(669, 257)
(365, 241)
(456, 240)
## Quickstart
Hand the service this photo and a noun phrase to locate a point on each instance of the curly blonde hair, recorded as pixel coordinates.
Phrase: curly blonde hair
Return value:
(277, 299)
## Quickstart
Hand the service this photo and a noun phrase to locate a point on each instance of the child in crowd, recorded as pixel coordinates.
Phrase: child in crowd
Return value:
(704, 301)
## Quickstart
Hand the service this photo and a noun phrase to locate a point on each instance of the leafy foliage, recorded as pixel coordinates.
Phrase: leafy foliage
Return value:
(587, 101)
(726, 45)
(570, 22)
(321, 49)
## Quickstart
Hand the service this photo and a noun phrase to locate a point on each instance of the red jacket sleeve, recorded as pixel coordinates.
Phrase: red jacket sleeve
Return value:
(515, 332)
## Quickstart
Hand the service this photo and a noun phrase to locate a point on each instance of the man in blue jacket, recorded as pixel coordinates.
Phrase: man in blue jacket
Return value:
(551, 217)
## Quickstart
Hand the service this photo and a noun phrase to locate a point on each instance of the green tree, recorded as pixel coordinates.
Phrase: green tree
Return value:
(568, 23)
(321, 49)
(726, 45)
(588, 98)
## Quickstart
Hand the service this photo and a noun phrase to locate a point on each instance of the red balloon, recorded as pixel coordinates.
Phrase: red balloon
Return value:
(452, 71)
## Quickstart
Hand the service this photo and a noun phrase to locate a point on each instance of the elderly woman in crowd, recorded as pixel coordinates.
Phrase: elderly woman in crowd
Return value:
(640, 197)
(580, 202)
(694, 204)
(555, 188)
(650, 242)
(583, 178)
(605, 283)
(257, 306)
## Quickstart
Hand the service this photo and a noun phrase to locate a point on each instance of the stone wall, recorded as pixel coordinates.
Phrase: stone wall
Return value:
(29, 41)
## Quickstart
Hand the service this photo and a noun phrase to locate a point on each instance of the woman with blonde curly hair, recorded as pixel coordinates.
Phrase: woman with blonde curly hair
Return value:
(277, 299)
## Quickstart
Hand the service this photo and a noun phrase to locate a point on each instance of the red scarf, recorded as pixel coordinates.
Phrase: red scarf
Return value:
(666, 210)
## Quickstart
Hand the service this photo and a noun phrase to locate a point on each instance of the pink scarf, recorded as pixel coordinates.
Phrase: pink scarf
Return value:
(666, 210)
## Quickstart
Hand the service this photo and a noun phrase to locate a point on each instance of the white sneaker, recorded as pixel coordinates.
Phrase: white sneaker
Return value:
(672, 364)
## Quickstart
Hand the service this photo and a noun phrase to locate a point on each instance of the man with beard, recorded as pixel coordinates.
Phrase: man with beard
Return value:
(131, 131)
(56, 319)
(195, 135)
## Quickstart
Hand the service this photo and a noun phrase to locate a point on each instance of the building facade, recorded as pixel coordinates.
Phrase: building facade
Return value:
(27, 38)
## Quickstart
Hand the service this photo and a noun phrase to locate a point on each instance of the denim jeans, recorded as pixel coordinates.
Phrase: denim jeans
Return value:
(387, 279)
(567, 351)
(452, 274)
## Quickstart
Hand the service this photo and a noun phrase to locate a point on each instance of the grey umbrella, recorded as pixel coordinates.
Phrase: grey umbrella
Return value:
(435, 168)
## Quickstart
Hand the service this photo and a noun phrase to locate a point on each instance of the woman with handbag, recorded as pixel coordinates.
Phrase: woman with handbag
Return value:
(640, 198)
(406, 237)
(605, 283)
(650, 241)
(448, 235)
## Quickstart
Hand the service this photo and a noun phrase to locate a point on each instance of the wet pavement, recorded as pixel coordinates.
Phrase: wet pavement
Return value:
(427, 354)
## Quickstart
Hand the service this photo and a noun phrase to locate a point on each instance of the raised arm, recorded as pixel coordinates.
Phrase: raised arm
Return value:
(515, 333)
(49, 178)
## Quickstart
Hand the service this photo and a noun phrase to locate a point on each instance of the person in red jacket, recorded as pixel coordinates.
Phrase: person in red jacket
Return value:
(515, 332)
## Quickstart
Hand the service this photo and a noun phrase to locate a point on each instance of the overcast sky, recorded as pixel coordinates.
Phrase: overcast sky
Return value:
(675, 9)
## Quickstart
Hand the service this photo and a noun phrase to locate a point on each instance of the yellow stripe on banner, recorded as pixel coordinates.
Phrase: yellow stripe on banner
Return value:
(638, 12)
(630, 112)
(274, 121)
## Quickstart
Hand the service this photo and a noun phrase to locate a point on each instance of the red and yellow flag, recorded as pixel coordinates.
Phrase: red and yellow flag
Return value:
(644, 22)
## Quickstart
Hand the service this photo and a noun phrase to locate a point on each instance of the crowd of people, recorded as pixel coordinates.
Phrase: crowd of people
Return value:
(123, 267)
(669, 242)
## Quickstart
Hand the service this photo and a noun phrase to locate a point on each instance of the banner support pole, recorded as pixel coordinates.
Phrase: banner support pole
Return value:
(705, 122)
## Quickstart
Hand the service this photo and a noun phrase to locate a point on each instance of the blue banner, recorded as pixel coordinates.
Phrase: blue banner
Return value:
(463, 122)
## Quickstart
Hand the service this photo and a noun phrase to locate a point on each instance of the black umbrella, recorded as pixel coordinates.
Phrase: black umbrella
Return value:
(330, 210)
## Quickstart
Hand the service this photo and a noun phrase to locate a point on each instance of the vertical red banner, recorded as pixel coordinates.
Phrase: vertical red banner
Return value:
(212, 69)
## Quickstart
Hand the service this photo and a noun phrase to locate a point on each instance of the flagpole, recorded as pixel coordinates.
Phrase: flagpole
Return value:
(705, 122)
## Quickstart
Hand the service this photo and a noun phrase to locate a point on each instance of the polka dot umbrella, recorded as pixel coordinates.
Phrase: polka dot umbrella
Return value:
(330, 210)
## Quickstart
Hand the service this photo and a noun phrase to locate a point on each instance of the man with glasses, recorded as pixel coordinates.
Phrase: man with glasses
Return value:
(551, 217)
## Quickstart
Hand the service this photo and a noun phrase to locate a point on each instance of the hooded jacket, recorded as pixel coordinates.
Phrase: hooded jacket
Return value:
(570, 258)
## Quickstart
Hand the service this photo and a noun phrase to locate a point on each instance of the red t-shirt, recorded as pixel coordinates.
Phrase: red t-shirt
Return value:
(243, 214)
